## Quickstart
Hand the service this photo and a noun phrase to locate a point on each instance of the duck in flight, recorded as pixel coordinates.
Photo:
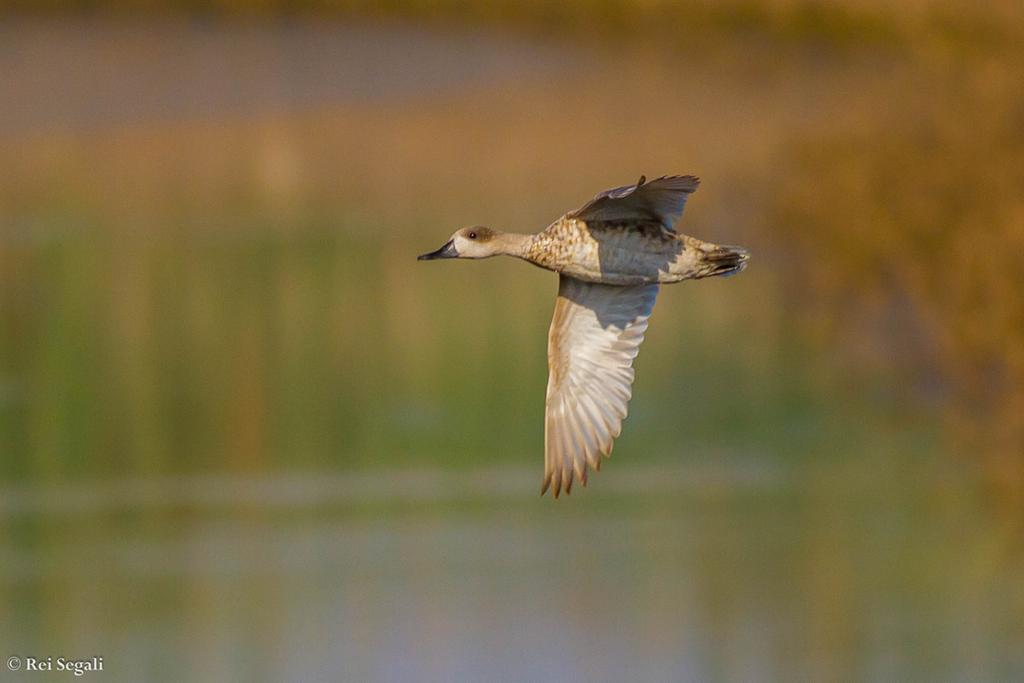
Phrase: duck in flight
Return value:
(611, 255)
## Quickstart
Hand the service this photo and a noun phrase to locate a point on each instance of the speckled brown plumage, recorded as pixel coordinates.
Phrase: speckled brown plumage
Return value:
(626, 252)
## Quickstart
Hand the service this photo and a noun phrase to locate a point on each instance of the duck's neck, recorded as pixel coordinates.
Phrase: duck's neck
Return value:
(514, 244)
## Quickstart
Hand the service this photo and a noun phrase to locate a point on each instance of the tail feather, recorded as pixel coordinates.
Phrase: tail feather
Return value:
(723, 260)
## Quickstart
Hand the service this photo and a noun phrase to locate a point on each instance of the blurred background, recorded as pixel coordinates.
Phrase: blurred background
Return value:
(245, 436)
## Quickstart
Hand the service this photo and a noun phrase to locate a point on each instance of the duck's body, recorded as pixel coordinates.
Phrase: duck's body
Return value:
(625, 252)
(611, 255)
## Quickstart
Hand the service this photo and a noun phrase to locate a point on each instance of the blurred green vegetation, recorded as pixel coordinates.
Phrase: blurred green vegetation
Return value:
(192, 295)
(243, 295)
(173, 352)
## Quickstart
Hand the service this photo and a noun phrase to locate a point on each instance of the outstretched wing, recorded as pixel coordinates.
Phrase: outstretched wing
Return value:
(661, 200)
(595, 334)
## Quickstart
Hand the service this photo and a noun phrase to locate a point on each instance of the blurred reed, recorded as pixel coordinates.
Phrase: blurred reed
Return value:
(238, 291)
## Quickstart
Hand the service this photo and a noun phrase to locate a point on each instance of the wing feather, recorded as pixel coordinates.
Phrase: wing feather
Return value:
(661, 200)
(596, 332)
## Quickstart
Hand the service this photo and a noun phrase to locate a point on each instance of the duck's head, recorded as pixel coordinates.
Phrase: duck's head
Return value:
(473, 242)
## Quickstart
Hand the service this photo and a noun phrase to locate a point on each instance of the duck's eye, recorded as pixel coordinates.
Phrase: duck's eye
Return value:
(472, 235)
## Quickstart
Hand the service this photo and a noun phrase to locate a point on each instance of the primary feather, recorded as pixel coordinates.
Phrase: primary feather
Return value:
(661, 200)
(596, 332)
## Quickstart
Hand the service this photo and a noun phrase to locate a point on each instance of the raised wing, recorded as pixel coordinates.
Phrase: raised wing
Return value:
(595, 334)
(661, 200)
